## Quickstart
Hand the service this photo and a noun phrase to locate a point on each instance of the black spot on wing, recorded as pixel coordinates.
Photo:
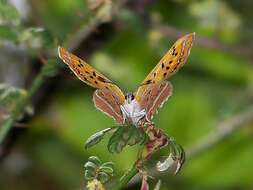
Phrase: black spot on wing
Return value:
(101, 79)
(162, 65)
(148, 82)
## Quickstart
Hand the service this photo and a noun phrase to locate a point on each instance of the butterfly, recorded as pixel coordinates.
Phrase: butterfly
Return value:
(132, 108)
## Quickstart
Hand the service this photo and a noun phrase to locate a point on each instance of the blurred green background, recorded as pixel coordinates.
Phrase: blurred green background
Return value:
(214, 85)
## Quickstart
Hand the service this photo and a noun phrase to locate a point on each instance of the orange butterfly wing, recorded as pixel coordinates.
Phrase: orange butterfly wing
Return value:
(88, 74)
(172, 61)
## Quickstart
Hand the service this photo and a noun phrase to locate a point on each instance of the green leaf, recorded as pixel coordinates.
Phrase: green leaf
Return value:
(89, 174)
(96, 138)
(136, 136)
(116, 143)
(126, 135)
(177, 151)
(90, 166)
(166, 164)
(175, 160)
(36, 37)
(9, 96)
(107, 164)
(106, 169)
(94, 169)
(103, 177)
(95, 160)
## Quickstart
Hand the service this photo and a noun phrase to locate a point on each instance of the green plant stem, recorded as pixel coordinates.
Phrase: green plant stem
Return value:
(126, 178)
(21, 105)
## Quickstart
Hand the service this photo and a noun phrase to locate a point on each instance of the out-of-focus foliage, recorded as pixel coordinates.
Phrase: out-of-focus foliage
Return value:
(214, 84)
(8, 100)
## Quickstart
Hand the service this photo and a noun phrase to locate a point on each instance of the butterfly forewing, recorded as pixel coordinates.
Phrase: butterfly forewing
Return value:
(88, 74)
(107, 102)
(154, 97)
(172, 61)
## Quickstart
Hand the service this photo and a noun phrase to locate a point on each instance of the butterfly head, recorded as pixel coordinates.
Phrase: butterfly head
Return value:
(129, 97)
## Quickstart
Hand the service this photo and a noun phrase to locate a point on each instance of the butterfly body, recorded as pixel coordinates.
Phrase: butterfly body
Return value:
(131, 110)
(149, 97)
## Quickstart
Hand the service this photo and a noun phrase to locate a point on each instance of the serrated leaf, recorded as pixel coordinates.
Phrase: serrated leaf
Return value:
(96, 138)
(103, 177)
(127, 135)
(137, 136)
(116, 143)
(95, 160)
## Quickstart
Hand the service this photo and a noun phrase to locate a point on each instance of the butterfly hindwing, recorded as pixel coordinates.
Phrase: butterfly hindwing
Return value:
(107, 102)
(172, 61)
(88, 74)
(154, 97)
